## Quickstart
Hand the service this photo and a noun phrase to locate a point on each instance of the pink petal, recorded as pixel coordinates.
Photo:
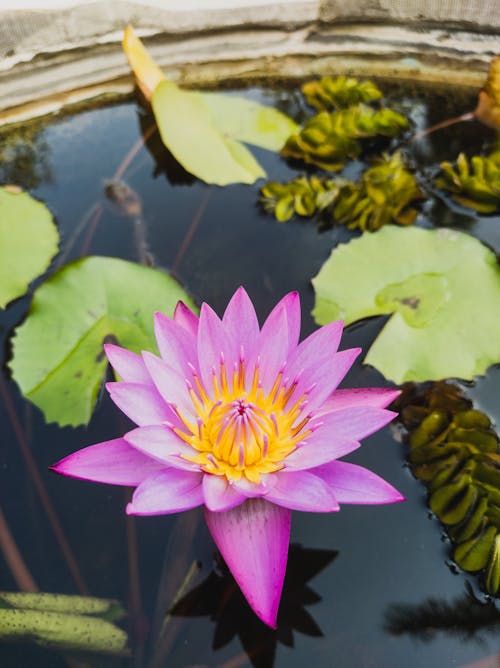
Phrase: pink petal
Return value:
(242, 326)
(141, 403)
(253, 538)
(319, 380)
(290, 305)
(352, 424)
(213, 342)
(219, 494)
(177, 346)
(114, 462)
(186, 318)
(162, 444)
(171, 385)
(252, 490)
(279, 336)
(355, 484)
(324, 342)
(377, 397)
(301, 490)
(321, 451)
(165, 492)
(127, 364)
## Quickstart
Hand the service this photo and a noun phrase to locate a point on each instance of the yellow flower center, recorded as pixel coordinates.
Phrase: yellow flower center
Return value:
(242, 431)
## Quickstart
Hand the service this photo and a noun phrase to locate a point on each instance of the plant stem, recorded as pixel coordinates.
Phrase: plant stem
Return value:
(469, 116)
(97, 209)
(12, 556)
(192, 229)
(42, 492)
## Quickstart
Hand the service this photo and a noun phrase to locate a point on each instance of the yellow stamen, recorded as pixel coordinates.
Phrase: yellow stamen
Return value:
(239, 431)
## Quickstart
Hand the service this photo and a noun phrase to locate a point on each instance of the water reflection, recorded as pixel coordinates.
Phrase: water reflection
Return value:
(465, 617)
(219, 597)
(25, 157)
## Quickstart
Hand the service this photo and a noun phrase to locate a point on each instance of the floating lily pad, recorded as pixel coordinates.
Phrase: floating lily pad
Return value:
(59, 361)
(442, 287)
(204, 131)
(28, 241)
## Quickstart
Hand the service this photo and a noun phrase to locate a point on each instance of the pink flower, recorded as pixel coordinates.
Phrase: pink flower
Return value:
(246, 421)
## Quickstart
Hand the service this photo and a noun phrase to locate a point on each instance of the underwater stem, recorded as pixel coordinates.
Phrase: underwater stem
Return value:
(42, 492)
(192, 229)
(12, 556)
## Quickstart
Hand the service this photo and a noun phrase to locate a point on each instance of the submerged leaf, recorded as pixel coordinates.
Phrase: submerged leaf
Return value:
(28, 241)
(438, 284)
(475, 183)
(339, 93)
(204, 131)
(329, 140)
(447, 452)
(58, 360)
(63, 603)
(63, 622)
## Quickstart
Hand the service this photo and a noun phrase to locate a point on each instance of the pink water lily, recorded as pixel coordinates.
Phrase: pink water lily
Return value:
(246, 421)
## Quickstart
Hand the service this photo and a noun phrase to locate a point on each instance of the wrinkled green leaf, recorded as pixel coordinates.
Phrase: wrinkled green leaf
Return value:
(328, 140)
(472, 555)
(438, 284)
(339, 93)
(475, 183)
(58, 360)
(204, 130)
(28, 242)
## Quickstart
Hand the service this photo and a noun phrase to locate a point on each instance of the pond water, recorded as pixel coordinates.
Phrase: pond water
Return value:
(367, 587)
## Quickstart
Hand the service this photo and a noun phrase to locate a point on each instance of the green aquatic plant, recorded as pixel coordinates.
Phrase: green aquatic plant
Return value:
(382, 195)
(302, 196)
(328, 140)
(454, 450)
(339, 93)
(474, 183)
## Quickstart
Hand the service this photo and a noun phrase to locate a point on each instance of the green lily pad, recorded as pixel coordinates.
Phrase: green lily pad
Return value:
(442, 287)
(204, 132)
(28, 241)
(58, 359)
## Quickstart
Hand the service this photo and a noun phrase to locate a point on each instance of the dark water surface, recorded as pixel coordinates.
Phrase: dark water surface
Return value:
(349, 570)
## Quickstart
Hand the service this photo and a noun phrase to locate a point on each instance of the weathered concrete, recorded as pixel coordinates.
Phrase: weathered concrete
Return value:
(58, 56)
